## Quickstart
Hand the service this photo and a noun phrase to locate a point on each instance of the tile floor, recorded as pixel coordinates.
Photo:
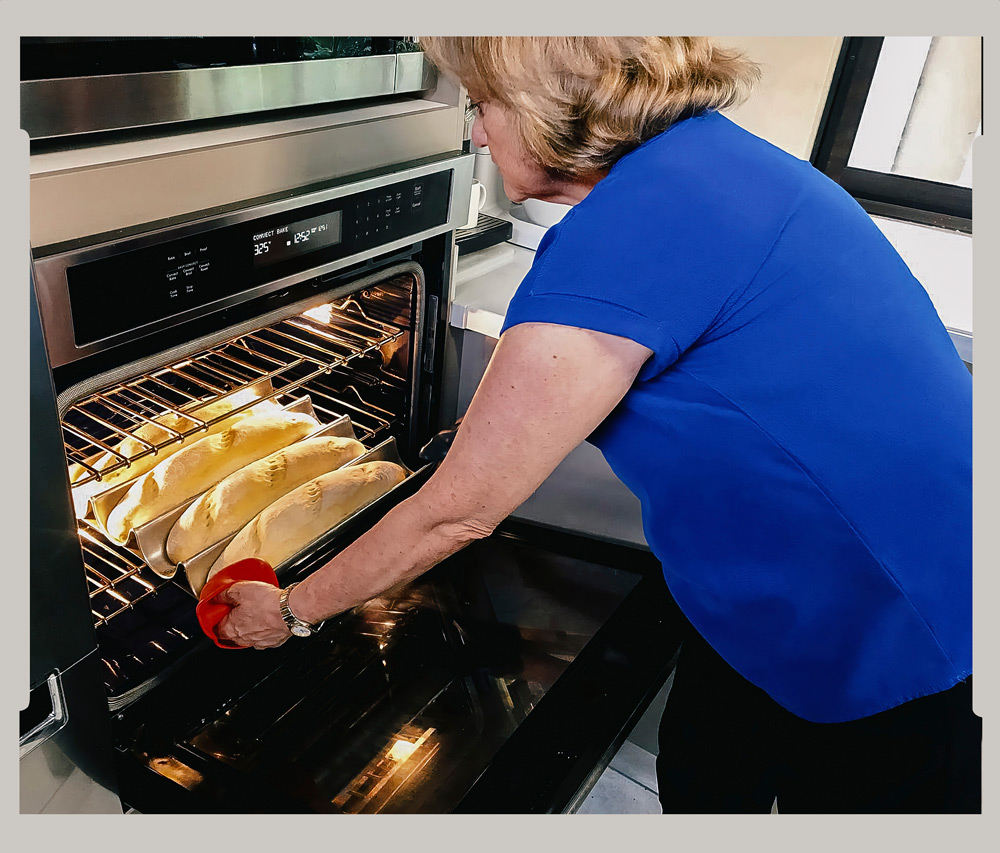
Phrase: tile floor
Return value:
(628, 786)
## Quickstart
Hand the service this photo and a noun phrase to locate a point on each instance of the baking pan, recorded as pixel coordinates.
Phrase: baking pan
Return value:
(149, 539)
(198, 567)
(97, 504)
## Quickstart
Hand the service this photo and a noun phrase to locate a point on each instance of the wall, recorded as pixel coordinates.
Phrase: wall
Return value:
(787, 104)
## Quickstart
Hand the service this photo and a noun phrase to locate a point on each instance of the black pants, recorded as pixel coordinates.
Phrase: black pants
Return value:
(726, 746)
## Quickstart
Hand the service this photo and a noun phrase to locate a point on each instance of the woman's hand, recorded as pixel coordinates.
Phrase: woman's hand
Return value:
(255, 619)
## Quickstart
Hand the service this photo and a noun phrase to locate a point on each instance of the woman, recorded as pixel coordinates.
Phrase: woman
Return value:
(758, 365)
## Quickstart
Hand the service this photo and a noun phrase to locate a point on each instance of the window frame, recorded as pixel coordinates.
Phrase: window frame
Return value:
(880, 193)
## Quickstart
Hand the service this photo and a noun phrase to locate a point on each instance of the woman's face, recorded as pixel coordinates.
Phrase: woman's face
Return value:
(522, 177)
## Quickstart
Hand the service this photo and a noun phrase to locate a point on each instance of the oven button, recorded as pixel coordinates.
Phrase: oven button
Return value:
(172, 275)
(203, 267)
(173, 294)
(189, 288)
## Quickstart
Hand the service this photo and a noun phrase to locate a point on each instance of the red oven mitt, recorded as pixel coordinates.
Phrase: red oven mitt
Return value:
(210, 611)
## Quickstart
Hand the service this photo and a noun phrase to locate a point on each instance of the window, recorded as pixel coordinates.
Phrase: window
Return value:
(899, 125)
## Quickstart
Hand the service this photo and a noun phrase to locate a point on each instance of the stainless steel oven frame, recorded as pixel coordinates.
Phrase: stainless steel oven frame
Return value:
(65, 742)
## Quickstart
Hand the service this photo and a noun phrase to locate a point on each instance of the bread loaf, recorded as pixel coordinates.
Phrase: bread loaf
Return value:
(152, 433)
(202, 464)
(295, 520)
(228, 506)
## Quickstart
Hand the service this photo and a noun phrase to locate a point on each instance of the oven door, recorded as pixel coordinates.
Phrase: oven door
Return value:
(503, 681)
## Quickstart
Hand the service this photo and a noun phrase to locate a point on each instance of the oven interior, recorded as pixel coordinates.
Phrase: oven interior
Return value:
(350, 357)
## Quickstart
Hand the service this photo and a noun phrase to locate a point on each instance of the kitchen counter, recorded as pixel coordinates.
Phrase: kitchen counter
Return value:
(484, 284)
(486, 280)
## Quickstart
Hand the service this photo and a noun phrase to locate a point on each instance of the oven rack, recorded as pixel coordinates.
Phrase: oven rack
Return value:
(299, 351)
(117, 579)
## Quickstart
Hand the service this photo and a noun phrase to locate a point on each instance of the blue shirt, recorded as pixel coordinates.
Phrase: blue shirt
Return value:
(801, 438)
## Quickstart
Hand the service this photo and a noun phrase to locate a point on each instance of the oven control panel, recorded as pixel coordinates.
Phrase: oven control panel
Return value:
(185, 267)
(132, 289)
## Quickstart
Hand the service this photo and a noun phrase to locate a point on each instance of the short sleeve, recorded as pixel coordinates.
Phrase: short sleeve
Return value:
(542, 298)
(658, 252)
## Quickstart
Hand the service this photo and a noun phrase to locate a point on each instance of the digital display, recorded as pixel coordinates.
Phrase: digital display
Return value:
(271, 245)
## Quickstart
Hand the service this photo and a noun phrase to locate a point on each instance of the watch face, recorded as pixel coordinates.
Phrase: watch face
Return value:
(300, 631)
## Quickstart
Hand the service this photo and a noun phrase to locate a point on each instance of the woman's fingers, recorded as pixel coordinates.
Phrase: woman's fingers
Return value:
(236, 593)
(233, 630)
(254, 620)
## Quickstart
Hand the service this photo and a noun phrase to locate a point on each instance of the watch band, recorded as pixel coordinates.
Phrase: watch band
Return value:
(295, 625)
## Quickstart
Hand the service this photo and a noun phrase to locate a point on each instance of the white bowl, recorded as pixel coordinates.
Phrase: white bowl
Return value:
(544, 213)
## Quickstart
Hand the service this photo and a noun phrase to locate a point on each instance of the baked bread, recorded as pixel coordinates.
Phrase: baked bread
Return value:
(230, 504)
(201, 465)
(153, 434)
(305, 514)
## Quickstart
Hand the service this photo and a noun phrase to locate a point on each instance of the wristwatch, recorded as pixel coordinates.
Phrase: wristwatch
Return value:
(295, 625)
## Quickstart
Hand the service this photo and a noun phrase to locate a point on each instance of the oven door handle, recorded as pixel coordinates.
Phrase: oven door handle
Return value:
(55, 720)
(437, 448)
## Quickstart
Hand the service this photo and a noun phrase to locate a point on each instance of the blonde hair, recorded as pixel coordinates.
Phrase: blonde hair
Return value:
(579, 103)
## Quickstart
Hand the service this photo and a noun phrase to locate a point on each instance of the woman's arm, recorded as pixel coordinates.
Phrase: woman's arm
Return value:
(545, 390)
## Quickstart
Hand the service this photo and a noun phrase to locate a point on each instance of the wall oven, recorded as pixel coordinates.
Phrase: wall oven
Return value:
(501, 681)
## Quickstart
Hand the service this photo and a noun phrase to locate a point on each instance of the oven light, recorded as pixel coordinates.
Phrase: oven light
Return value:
(321, 314)
(176, 771)
(401, 750)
